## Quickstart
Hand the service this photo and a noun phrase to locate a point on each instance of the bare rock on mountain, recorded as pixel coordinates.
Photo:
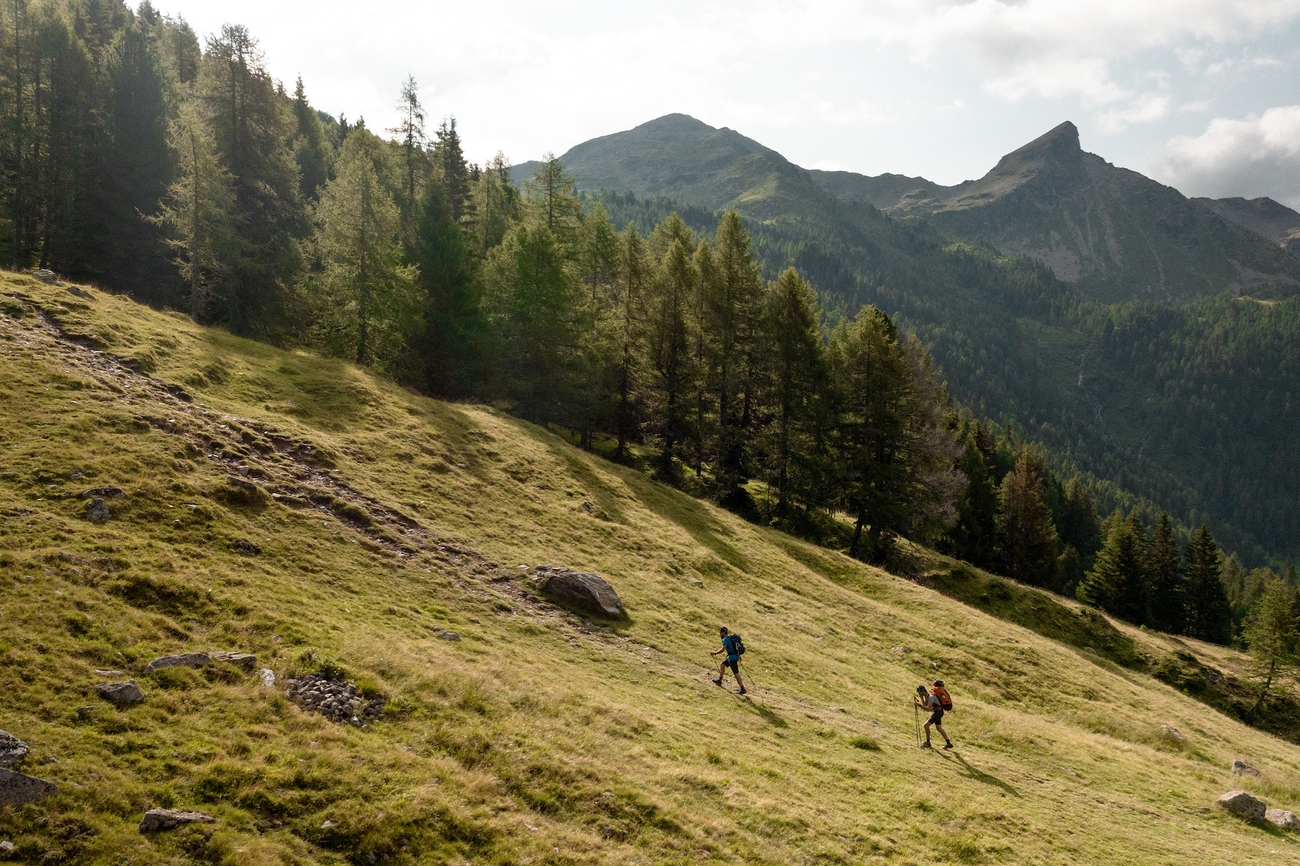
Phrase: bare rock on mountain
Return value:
(335, 699)
(45, 275)
(584, 589)
(121, 694)
(1282, 818)
(12, 750)
(97, 511)
(17, 789)
(1244, 806)
(187, 660)
(1241, 768)
(169, 819)
(104, 493)
(246, 662)
(247, 548)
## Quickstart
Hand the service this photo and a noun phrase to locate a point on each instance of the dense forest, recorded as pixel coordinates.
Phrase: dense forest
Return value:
(179, 171)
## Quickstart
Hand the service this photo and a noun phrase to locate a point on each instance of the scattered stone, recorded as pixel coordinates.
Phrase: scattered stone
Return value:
(97, 511)
(587, 590)
(120, 693)
(1282, 818)
(169, 819)
(241, 483)
(328, 824)
(1173, 733)
(79, 292)
(268, 678)
(244, 661)
(337, 700)
(17, 789)
(1241, 768)
(247, 548)
(12, 750)
(187, 660)
(1244, 806)
(104, 493)
(448, 635)
(7, 848)
(45, 275)
(1089, 649)
(107, 674)
(899, 650)
(695, 581)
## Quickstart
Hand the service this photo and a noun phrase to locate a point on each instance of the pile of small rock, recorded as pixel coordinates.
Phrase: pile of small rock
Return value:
(1253, 809)
(337, 700)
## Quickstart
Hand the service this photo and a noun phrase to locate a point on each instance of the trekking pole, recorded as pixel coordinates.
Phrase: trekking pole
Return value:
(916, 718)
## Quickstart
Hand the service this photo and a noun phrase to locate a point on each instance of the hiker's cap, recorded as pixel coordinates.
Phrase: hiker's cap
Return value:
(939, 683)
(920, 689)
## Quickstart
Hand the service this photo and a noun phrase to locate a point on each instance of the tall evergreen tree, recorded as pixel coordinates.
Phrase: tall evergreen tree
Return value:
(410, 135)
(1117, 580)
(1168, 592)
(1026, 535)
(1209, 614)
(456, 174)
(634, 283)
(311, 150)
(668, 338)
(1271, 638)
(974, 538)
(455, 336)
(368, 297)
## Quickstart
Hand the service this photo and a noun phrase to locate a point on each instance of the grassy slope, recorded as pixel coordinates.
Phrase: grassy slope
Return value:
(538, 738)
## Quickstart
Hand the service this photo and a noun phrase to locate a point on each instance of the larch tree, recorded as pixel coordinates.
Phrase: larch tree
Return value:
(1271, 639)
(633, 286)
(368, 295)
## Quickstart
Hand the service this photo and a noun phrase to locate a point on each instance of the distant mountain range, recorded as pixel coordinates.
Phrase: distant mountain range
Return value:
(1111, 232)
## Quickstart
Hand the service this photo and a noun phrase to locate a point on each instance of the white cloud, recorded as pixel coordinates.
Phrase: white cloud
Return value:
(1257, 155)
(1144, 109)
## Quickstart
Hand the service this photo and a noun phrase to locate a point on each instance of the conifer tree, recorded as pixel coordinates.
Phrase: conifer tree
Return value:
(1168, 593)
(634, 279)
(669, 346)
(791, 335)
(1117, 579)
(1026, 535)
(410, 135)
(311, 151)
(1271, 638)
(455, 329)
(367, 297)
(456, 174)
(198, 209)
(974, 538)
(1209, 614)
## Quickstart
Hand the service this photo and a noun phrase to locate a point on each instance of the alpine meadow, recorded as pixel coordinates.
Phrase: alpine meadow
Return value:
(363, 503)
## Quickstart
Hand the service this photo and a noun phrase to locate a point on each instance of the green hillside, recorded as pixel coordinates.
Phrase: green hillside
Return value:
(385, 521)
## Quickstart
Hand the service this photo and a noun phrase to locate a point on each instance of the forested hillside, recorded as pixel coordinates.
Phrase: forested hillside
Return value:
(778, 358)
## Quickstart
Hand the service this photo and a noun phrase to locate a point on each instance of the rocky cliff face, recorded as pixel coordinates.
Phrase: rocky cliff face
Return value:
(1275, 221)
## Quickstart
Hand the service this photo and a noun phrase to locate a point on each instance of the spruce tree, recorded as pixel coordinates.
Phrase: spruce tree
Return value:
(1027, 538)
(669, 347)
(455, 329)
(1209, 614)
(974, 537)
(634, 278)
(1168, 602)
(456, 174)
(311, 151)
(1116, 583)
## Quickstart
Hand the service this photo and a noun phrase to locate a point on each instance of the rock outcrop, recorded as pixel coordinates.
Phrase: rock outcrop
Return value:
(1244, 806)
(17, 789)
(186, 660)
(121, 694)
(591, 592)
(12, 750)
(169, 819)
(246, 662)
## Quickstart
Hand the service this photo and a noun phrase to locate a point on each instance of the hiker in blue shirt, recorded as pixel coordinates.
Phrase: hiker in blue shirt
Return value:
(730, 646)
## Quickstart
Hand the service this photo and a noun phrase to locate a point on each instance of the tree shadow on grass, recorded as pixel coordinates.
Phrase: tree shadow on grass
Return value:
(608, 506)
(691, 515)
(977, 774)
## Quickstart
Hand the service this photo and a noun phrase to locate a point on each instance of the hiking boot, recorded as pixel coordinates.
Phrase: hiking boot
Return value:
(717, 682)
(926, 745)
(740, 691)
(949, 746)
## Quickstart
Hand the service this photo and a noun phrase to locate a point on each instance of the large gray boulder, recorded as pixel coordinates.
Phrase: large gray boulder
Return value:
(1244, 806)
(588, 591)
(169, 819)
(120, 693)
(179, 660)
(12, 750)
(97, 511)
(1282, 818)
(17, 789)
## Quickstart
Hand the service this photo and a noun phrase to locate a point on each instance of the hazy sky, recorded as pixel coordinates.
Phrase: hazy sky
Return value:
(1200, 94)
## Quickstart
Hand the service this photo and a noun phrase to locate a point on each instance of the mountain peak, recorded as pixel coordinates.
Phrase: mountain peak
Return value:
(1060, 144)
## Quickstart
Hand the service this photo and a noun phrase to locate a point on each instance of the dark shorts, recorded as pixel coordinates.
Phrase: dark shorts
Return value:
(734, 664)
(936, 718)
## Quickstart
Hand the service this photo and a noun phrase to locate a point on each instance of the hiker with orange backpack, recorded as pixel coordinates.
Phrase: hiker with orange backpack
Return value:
(933, 703)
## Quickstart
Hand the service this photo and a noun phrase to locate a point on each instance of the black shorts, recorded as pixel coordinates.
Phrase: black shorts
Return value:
(936, 718)
(734, 664)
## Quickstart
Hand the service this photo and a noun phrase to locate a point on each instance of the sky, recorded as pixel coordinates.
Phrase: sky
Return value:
(1203, 95)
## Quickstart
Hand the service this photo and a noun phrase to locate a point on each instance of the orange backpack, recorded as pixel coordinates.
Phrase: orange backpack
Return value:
(945, 699)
